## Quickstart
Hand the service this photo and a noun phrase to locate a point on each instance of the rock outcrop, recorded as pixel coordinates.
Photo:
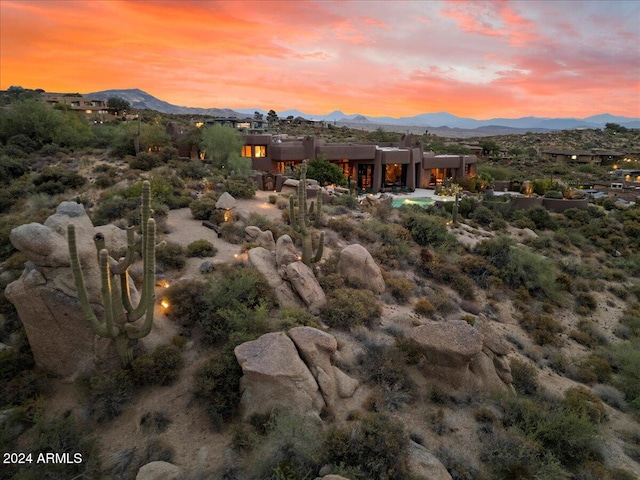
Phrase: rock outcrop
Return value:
(291, 372)
(275, 377)
(462, 355)
(262, 238)
(160, 471)
(358, 266)
(422, 465)
(286, 252)
(316, 350)
(265, 262)
(304, 282)
(226, 202)
(45, 295)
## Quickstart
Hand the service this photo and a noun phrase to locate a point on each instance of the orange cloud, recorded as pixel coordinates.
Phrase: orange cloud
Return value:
(479, 59)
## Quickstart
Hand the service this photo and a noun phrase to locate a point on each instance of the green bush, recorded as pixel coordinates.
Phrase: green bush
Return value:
(203, 208)
(483, 215)
(171, 257)
(542, 328)
(554, 194)
(428, 230)
(162, 367)
(109, 392)
(377, 446)
(399, 287)
(54, 180)
(350, 307)
(187, 301)
(145, 161)
(593, 368)
(201, 248)
(217, 385)
(240, 187)
(193, 169)
(625, 359)
(525, 377)
(61, 436)
(239, 301)
(584, 403)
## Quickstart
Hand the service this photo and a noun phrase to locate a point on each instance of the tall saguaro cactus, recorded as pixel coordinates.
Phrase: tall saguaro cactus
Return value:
(300, 219)
(119, 313)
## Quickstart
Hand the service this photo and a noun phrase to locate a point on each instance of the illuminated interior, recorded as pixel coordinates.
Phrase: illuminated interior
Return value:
(246, 151)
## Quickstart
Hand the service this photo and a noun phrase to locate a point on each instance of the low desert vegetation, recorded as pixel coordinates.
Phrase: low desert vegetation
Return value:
(567, 298)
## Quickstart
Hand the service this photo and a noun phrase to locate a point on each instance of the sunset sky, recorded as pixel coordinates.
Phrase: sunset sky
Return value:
(477, 59)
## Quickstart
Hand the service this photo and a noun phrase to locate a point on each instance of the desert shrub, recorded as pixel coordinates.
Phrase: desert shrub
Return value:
(232, 232)
(217, 385)
(483, 215)
(171, 257)
(153, 423)
(542, 328)
(239, 301)
(109, 392)
(203, 208)
(11, 168)
(240, 187)
(345, 227)
(541, 218)
(55, 180)
(61, 436)
(611, 396)
(424, 307)
(296, 317)
(192, 169)
(525, 377)
(593, 368)
(201, 248)
(289, 446)
(554, 194)
(572, 439)
(19, 382)
(344, 200)
(449, 273)
(350, 307)
(145, 161)
(400, 288)
(584, 403)
(428, 230)
(586, 334)
(187, 300)
(625, 360)
(512, 456)
(162, 367)
(585, 303)
(377, 445)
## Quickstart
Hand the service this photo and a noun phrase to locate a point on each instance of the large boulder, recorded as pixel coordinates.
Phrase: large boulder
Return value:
(45, 295)
(464, 356)
(262, 238)
(274, 377)
(316, 349)
(448, 348)
(286, 252)
(304, 282)
(423, 465)
(226, 202)
(160, 471)
(357, 265)
(265, 262)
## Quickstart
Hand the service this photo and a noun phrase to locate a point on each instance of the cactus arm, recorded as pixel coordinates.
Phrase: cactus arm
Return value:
(292, 213)
(103, 330)
(126, 262)
(149, 265)
(319, 252)
(106, 293)
(318, 219)
(124, 292)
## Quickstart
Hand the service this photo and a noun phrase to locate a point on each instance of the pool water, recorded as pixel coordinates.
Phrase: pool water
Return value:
(420, 201)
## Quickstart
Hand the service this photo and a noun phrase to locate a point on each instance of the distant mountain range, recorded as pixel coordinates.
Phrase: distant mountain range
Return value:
(438, 121)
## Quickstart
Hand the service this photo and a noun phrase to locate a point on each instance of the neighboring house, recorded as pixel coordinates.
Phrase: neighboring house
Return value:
(246, 123)
(78, 103)
(571, 156)
(369, 167)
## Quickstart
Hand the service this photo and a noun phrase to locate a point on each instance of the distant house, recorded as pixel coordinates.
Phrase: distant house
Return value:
(246, 123)
(78, 103)
(369, 167)
(571, 156)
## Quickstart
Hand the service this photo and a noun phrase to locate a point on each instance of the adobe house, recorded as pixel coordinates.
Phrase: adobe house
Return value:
(571, 156)
(370, 167)
(77, 103)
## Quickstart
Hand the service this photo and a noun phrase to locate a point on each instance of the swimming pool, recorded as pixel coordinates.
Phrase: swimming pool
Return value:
(420, 201)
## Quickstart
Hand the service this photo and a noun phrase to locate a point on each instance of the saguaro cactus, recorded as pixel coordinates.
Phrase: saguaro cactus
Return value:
(300, 219)
(119, 313)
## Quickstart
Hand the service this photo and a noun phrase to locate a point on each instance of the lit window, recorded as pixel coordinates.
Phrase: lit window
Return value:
(246, 151)
(574, 157)
(260, 151)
